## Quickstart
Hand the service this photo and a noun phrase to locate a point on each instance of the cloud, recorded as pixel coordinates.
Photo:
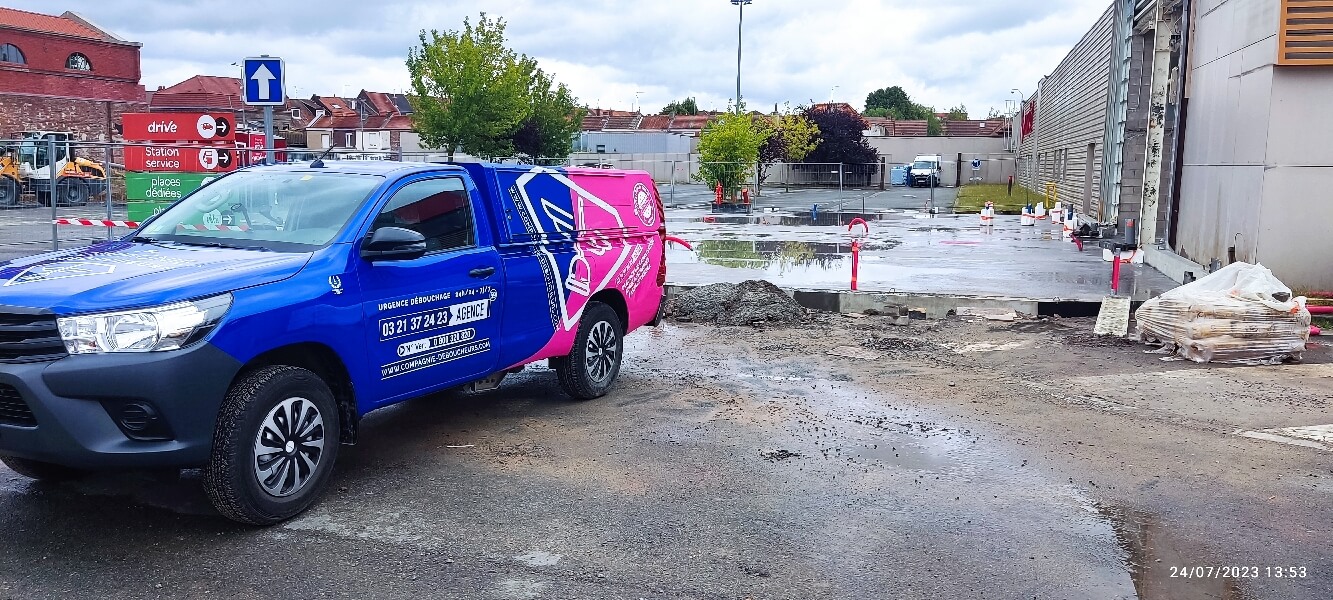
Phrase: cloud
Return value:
(943, 52)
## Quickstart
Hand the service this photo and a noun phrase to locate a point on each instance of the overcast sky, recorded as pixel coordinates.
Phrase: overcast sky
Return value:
(943, 52)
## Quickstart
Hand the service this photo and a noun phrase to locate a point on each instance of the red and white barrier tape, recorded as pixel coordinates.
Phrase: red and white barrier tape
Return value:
(96, 223)
(212, 227)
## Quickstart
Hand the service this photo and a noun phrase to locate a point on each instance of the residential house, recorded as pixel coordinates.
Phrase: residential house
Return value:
(372, 122)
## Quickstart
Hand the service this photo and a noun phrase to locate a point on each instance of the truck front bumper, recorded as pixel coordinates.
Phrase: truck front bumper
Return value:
(101, 411)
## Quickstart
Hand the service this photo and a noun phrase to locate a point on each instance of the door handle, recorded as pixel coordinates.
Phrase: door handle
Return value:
(481, 272)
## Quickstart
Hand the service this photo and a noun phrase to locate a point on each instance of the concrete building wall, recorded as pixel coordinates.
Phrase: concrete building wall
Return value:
(1293, 227)
(901, 150)
(1065, 147)
(1225, 158)
(1136, 127)
(635, 142)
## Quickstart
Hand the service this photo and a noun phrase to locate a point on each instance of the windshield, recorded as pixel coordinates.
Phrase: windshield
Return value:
(923, 164)
(275, 210)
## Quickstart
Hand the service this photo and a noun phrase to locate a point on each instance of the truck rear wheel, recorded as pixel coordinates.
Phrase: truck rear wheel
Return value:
(9, 192)
(71, 191)
(41, 471)
(592, 366)
(274, 446)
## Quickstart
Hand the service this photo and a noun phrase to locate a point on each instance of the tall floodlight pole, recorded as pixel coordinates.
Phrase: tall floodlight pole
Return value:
(740, 22)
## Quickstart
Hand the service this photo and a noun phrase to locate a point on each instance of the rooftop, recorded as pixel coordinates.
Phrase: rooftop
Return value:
(69, 23)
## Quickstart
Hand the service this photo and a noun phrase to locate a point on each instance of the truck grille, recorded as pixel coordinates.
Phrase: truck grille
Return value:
(13, 410)
(26, 338)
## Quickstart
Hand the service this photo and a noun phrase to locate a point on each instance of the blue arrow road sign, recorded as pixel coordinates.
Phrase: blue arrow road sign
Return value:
(265, 81)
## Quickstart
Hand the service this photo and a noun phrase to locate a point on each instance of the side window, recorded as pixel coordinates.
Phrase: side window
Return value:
(78, 62)
(438, 209)
(11, 54)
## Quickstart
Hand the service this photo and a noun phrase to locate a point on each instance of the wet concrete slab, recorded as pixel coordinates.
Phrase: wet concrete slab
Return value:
(906, 251)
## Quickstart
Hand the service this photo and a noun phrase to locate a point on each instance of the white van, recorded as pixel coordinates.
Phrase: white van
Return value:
(925, 171)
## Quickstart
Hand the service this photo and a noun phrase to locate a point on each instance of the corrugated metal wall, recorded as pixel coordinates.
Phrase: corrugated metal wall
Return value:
(1072, 104)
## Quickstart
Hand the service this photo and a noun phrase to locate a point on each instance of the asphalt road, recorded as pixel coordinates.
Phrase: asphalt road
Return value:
(747, 463)
(27, 230)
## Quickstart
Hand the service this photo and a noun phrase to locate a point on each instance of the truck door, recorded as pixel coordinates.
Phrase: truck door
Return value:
(431, 321)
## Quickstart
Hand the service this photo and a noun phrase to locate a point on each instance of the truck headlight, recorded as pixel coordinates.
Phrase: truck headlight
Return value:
(148, 330)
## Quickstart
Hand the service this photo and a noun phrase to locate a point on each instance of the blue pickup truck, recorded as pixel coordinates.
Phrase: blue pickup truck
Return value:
(247, 328)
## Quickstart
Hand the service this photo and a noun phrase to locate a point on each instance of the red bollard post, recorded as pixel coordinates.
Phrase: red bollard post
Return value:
(1115, 272)
(856, 261)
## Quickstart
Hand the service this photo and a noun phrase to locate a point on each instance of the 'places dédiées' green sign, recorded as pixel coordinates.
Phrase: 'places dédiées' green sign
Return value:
(161, 187)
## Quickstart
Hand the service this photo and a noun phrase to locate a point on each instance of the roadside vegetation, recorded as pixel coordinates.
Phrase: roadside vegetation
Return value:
(471, 92)
(972, 198)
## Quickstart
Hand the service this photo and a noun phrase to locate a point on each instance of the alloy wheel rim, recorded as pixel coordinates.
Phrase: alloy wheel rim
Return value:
(288, 447)
(602, 352)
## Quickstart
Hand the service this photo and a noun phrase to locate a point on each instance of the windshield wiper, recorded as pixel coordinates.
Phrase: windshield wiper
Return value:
(143, 239)
(218, 245)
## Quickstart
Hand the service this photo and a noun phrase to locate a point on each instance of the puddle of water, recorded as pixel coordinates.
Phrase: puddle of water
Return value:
(820, 219)
(1154, 562)
(905, 456)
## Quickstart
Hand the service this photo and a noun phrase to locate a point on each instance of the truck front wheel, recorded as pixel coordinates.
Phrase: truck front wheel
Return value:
(274, 445)
(594, 363)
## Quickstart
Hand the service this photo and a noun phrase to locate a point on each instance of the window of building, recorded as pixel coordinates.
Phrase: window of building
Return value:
(349, 140)
(11, 54)
(78, 62)
(436, 208)
(296, 113)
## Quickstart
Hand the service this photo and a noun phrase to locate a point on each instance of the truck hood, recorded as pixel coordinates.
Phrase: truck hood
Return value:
(120, 275)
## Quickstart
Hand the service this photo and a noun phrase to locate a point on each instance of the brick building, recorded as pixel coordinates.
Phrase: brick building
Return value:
(63, 73)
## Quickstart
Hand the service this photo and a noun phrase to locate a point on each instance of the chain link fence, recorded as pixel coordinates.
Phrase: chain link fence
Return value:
(59, 194)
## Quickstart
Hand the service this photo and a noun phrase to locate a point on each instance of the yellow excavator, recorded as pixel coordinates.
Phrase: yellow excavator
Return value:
(63, 178)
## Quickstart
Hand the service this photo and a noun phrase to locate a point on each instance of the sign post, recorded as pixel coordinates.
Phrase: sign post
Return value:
(265, 81)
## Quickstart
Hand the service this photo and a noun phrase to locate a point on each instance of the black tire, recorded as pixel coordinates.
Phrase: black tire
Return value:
(41, 471)
(592, 366)
(9, 192)
(71, 192)
(257, 413)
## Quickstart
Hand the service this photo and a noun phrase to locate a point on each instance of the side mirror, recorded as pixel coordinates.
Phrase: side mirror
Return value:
(394, 243)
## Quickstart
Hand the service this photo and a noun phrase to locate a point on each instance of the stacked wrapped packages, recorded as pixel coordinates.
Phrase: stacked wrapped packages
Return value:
(1239, 314)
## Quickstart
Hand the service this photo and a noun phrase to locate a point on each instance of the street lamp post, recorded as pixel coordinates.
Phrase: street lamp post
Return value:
(740, 21)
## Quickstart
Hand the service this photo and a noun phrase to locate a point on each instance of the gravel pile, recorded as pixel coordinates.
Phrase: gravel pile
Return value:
(746, 303)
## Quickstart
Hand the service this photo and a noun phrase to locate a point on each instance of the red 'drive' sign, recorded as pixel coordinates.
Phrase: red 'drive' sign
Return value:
(200, 159)
(178, 127)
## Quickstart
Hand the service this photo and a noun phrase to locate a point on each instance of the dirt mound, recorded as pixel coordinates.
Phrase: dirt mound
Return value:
(737, 304)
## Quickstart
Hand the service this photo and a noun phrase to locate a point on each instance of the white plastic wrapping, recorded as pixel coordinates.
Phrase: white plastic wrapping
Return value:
(1239, 314)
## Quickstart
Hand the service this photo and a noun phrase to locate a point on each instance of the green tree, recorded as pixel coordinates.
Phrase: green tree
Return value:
(934, 127)
(958, 113)
(552, 120)
(687, 106)
(469, 90)
(729, 150)
(791, 137)
(890, 99)
(894, 102)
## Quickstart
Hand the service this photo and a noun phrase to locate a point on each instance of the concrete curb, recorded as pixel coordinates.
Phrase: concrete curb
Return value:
(930, 306)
